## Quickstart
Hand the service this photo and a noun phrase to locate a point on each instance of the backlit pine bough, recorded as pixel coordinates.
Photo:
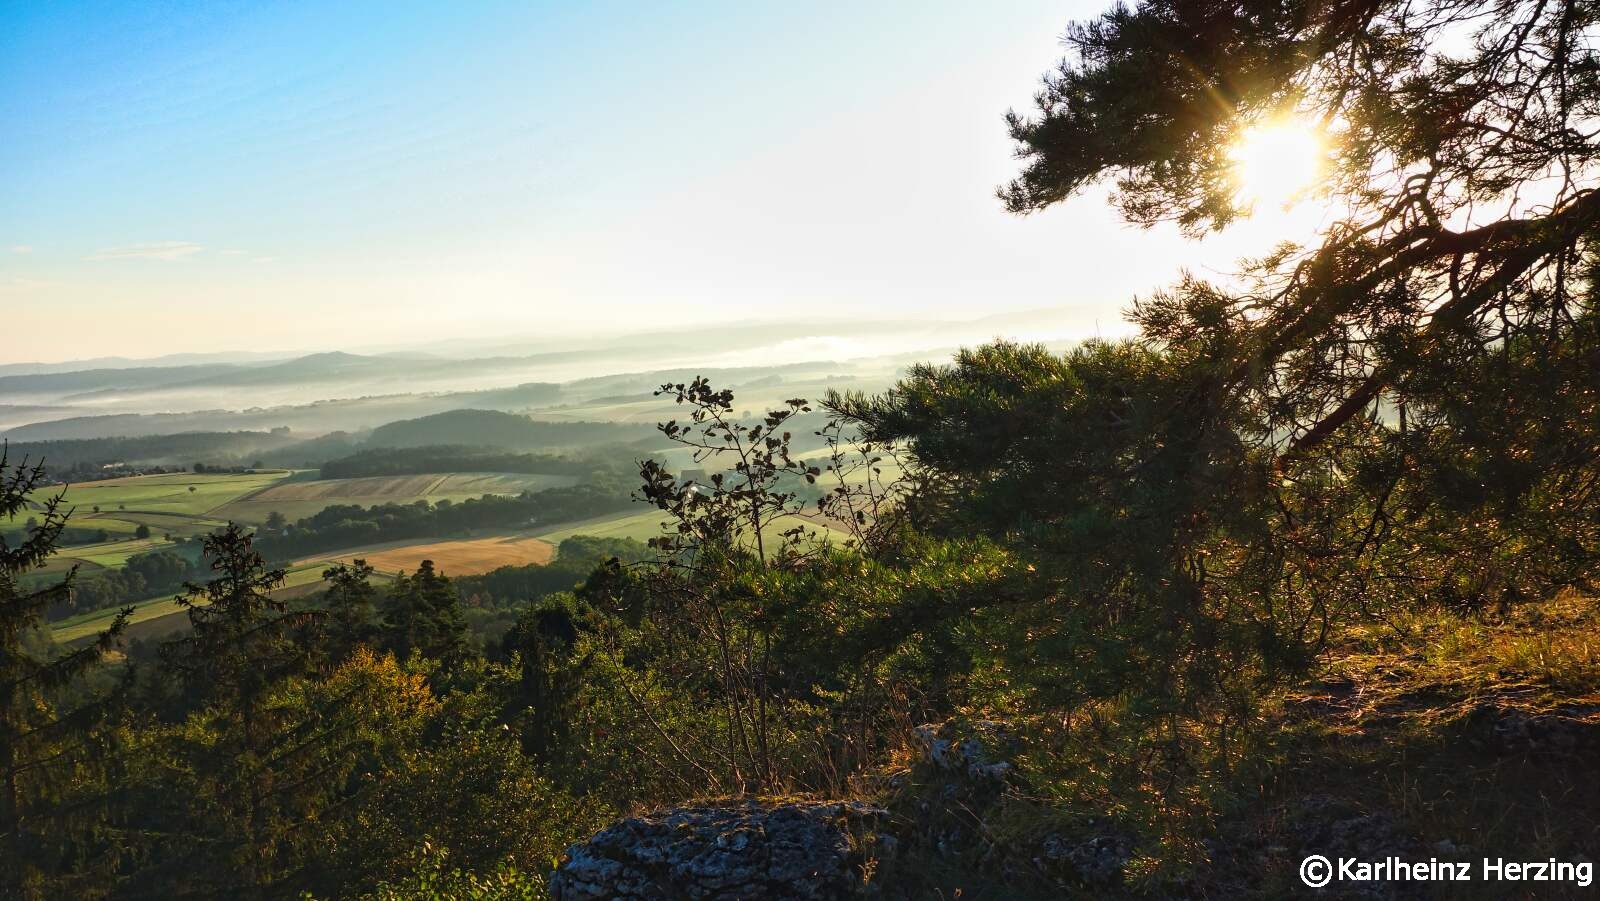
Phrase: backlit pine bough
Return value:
(1402, 411)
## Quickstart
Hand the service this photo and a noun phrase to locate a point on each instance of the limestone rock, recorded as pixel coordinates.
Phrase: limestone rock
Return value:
(975, 755)
(742, 849)
(1096, 860)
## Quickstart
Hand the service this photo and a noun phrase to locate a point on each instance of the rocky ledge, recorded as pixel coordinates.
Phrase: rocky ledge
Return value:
(737, 849)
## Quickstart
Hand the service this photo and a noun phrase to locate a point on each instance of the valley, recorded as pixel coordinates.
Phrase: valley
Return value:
(394, 459)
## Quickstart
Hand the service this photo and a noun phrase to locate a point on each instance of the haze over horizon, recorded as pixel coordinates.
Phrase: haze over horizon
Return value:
(370, 177)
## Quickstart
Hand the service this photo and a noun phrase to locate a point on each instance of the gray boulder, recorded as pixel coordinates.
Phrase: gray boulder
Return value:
(741, 849)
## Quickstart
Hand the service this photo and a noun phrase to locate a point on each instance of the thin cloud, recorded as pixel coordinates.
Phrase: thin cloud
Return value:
(22, 248)
(159, 250)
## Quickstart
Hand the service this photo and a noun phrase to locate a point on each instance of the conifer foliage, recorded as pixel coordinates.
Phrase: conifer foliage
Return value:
(46, 717)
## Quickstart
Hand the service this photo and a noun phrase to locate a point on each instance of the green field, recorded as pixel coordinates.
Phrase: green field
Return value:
(642, 526)
(176, 524)
(646, 524)
(115, 553)
(888, 469)
(169, 494)
(103, 555)
(114, 528)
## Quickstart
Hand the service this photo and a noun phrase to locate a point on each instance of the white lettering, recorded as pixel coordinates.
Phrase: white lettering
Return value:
(1435, 870)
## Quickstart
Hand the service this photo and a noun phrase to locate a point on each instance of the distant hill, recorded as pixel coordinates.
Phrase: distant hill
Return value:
(38, 424)
(56, 384)
(21, 414)
(347, 374)
(166, 361)
(166, 450)
(639, 385)
(330, 366)
(313, 452)
(334, 368)
(491, 428)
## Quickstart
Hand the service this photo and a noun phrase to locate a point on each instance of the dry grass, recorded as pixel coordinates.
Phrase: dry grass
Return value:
(1474, 732)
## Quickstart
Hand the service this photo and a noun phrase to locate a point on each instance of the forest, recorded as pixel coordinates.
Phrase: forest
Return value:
(1304, 567)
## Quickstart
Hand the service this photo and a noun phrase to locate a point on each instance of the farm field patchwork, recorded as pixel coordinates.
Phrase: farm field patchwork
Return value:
(167, 506)
(168, 493)
(299, 499)
(115, 553)
(176, 524)
(103, 555)
(162, 502)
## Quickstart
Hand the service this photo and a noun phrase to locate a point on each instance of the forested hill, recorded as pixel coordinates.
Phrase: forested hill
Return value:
(160, 449)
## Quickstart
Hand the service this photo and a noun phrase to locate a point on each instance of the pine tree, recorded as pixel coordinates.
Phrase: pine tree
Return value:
(1400, 411)
(43, 736)
(228, 801)
(422, 614)
(240, 638)
(349, 602)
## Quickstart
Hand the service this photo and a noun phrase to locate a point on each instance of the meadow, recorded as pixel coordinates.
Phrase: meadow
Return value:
(101, 555)
(180, 494)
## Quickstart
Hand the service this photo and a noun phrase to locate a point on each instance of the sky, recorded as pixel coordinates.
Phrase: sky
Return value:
(190, 177)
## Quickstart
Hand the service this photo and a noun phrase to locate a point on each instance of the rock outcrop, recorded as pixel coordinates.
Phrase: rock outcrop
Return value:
(741, 849)
(972, 755)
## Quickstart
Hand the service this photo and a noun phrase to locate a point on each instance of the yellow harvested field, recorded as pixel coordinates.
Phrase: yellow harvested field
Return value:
(462, 557)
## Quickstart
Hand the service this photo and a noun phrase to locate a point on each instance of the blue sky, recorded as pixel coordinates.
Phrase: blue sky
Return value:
(285, 176)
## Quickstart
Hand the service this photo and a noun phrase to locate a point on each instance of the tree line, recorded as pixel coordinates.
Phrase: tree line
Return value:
(349, 525)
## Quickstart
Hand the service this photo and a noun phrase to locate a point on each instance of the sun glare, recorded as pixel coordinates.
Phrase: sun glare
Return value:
(1275, 162)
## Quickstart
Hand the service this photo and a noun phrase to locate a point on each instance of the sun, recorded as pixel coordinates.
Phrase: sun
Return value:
(1275, 162)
